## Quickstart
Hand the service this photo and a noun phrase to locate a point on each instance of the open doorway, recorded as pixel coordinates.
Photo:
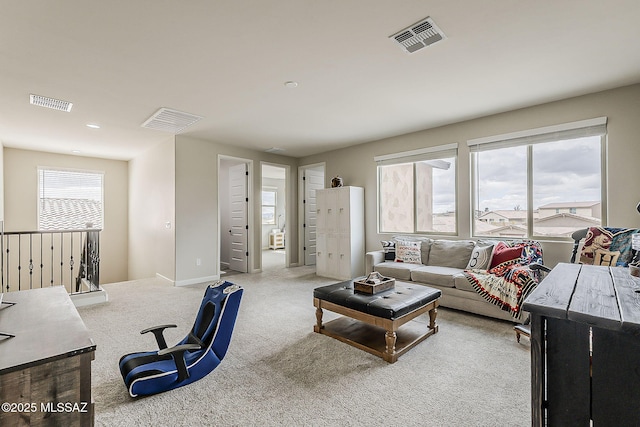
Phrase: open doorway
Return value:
(274, 217)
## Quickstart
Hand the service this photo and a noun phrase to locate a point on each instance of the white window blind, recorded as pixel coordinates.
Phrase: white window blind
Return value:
(429, 153)
(565, 131)
(69, 200)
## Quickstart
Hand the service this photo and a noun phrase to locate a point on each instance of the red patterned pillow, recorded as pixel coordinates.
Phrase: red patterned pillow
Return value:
(503, 253)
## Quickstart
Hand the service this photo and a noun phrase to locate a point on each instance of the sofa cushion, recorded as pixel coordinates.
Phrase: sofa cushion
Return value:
(451, 253)
(408, 252)
(461, 282)
(435, 275)
(503, 253)
(480, 257)
(397, 270)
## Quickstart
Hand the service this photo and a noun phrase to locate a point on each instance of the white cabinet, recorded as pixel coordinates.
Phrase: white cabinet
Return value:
(340, 232)
(276, 240)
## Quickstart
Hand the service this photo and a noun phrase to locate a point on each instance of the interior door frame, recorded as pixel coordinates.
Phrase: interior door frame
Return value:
(301, 210)
(250, 211)
(288, 208)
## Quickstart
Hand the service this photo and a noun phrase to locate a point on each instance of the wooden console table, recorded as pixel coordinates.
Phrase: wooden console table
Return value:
(45, 369)
(585, 342)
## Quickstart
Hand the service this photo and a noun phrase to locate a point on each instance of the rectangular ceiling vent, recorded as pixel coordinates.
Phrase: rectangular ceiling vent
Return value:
(54, 104)
(168, 120)
(419, 35)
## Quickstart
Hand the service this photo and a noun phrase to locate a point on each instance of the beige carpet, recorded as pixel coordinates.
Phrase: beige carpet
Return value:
(279, 372)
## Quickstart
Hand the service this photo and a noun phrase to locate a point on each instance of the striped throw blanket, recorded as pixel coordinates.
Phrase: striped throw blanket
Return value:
(509, 283)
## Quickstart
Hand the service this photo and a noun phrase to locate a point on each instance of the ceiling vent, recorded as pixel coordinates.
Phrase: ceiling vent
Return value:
(419, 35)
(168, 120)
(54, 104)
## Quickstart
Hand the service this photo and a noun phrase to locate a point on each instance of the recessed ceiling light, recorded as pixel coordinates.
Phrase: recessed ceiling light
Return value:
(93, 126)
(291, 84)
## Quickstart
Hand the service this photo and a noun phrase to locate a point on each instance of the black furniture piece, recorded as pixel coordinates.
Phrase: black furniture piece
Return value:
(525, 328)
(380, 324)
(585, 369)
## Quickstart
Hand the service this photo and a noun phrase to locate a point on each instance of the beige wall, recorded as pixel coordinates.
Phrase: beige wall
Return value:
(152, 213)
(197, 206)
(21, 201)
(621, 106)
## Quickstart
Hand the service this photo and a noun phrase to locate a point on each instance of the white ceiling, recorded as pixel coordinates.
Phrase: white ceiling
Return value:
(120, 61)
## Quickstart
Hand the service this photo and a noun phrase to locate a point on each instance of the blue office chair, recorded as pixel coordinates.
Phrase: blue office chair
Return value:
(199, 353)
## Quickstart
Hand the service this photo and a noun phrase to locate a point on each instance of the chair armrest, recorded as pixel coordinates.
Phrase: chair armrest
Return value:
(158, 333)
(371, 259)
(177, 352)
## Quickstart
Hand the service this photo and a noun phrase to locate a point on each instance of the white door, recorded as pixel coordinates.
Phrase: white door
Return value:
(313, 180)
(239, 218)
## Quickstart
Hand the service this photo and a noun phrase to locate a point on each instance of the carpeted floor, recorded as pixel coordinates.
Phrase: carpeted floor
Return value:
(279, 372)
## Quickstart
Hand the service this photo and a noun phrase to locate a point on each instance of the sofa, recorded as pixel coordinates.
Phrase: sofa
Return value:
(486, 277)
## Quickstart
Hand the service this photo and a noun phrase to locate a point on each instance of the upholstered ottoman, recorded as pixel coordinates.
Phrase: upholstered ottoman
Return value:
(366, 316)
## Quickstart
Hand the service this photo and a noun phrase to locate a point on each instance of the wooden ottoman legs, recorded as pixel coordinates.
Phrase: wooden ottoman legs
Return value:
(432, 319)
(318, 325)
(390, 351)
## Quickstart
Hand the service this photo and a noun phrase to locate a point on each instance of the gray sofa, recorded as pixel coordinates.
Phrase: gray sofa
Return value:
(442, 265)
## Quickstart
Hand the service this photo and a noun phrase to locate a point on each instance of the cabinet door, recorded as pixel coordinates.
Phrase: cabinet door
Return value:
(343, 210)
(321, 255)
(333, 256)
(343, 258)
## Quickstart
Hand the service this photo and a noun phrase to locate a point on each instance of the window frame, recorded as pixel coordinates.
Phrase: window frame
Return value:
(273, 190)
(430, 153)
(41, 169)
(529, 138)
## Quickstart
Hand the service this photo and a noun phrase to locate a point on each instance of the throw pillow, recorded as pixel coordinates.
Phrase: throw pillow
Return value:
(480, 257)
(503, 253)
(451, 253)
(408, 252)
(389, 248)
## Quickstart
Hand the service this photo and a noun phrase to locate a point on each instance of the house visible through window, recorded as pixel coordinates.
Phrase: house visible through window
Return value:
(544, 183)
(417, 191)
(69, 200)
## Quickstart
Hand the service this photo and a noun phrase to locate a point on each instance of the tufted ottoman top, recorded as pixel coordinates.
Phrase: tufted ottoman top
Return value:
(390, 304)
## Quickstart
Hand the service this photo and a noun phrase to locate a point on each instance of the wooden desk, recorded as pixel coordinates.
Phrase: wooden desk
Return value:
(585, 342)
(45, 370)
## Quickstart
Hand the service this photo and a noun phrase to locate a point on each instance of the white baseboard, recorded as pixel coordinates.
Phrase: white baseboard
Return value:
(196, 280)
(160, 276)
(90, 298)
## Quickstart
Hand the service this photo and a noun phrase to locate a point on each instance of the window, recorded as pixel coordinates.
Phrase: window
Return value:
(417, 191)
(69, 200)
(545, 183)
(269, 207)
